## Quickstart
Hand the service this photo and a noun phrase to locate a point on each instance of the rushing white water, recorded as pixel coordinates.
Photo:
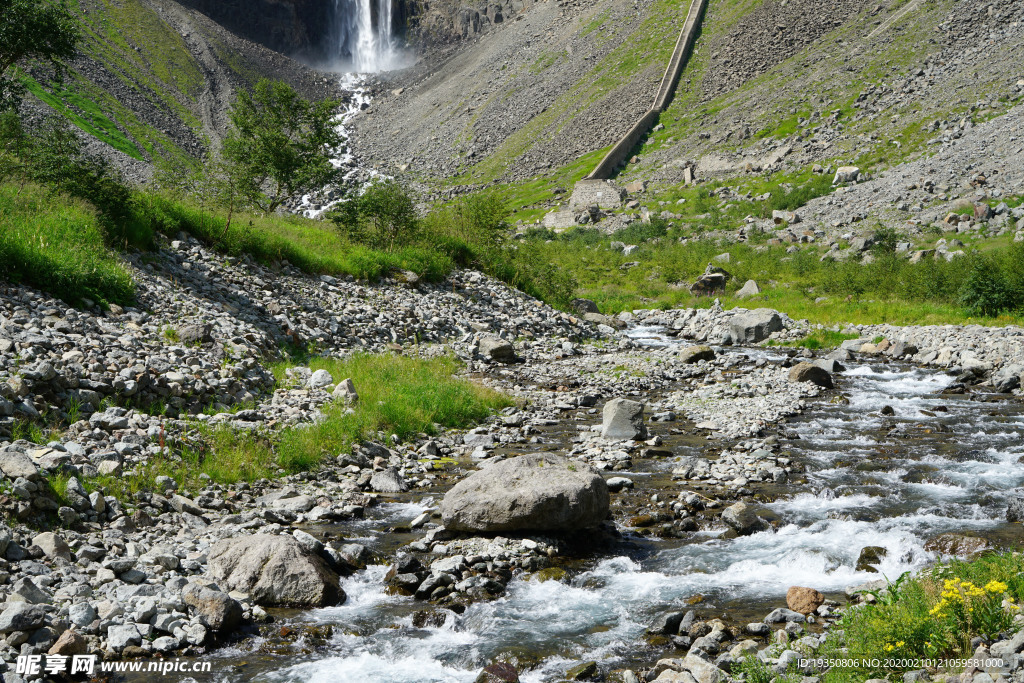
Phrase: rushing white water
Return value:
(868, 485)
(362, 36)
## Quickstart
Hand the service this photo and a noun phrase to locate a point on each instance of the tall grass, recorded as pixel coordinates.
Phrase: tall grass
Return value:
(397, 395)
(312, 246)
(56, 243)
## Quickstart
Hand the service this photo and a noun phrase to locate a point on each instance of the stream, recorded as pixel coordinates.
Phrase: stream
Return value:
(938, 463)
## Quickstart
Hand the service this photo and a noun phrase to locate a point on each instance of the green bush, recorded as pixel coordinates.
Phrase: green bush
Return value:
(988, 290)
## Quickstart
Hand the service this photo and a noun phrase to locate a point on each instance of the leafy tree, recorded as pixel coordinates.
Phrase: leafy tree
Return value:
(39, 29)
(389, 208)
(383, 215)
(281, 145)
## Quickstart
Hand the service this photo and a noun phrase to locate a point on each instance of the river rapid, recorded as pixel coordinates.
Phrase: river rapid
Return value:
(932, 462)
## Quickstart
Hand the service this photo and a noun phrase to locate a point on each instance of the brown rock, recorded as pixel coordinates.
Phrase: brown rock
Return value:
(499, 672)
(803, 600)
(958, 545)
(808, 372)
(71, 642)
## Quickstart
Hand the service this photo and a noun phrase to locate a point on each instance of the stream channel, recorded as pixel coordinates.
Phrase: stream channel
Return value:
(941, 462)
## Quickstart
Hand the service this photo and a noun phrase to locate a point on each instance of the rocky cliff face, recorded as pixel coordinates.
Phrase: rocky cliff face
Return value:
(293, 27)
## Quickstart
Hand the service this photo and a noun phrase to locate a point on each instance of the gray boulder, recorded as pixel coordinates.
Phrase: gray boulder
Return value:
(743, 519)
(218, 610)
(497, 349)
(846, 174)
(121, 636)
(809, 372)
(537, 492)
(53, 546)
(750, 288)
(695, 354)
(14, 464)
(320, 379)
(783, 615)
(22, 616)
(388, 481)
(754, 326)
(274, 571)
(583, 306)
(195, 334)
(1015, 510)
(346, 391)
(623, 420)
(1007, 378)
(830, 365)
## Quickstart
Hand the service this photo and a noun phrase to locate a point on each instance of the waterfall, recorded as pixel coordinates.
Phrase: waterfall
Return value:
(361, 35)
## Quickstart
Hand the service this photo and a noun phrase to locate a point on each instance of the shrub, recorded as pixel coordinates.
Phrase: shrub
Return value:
(988, 291)
(388, 208)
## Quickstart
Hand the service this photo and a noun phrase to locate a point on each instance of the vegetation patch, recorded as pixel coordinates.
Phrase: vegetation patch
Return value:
(53, 242)
(933, 615)
(398, 395)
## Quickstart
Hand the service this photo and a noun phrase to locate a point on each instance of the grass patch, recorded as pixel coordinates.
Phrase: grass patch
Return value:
(819, 339)
(933, 615)
(312, 246)
(56, 243)
(397, 395)
(983, 287)
(84, 113)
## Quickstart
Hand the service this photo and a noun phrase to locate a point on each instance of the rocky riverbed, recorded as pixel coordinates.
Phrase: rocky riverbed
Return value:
(706, 446)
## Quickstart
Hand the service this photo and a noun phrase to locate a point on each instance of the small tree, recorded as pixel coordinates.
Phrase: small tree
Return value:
(281, 145)
(389, 208)
(39, 29)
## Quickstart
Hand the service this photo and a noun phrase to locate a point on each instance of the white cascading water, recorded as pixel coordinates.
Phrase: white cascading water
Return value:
(357, 42)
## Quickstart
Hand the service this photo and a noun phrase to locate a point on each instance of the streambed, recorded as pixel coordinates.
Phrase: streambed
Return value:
(940, 462)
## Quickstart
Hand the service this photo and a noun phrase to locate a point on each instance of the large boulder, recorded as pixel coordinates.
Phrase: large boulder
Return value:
(53, 546)
(497, 349)
(388, 481)
(623, 420)
(711, 282)
(275, 571)
(15, 464)
(1007, 378)
(537, 492)
(695, 354)
(957, 545)
(754, 326)
(748, 289)
(1015, 510)
(584, 306)
(809, 372)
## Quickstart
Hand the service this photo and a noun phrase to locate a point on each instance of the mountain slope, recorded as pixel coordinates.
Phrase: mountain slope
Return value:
(156, 78)
(541, 96)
